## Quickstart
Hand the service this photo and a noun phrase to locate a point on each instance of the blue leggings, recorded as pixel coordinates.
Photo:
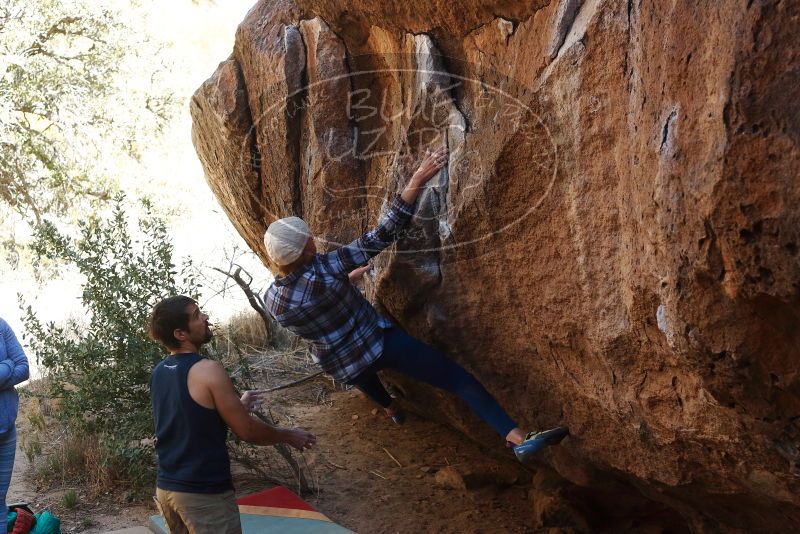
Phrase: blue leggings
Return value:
(413, 358)
(8, 446)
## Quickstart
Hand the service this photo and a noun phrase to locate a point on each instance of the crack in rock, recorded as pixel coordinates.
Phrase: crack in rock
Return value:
(565, 16)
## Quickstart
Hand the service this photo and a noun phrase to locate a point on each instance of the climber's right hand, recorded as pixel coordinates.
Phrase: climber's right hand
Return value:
(357, 274)
(430, 166)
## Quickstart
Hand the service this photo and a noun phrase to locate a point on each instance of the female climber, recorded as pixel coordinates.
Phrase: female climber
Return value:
(314, 298)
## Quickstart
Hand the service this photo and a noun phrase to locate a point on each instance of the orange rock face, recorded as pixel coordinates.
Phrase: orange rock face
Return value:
(613, 244)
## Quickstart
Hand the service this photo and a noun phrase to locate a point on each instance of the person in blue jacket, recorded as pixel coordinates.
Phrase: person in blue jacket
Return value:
(13, 370)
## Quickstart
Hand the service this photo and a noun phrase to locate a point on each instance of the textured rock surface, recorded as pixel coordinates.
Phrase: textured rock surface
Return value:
(614, 243)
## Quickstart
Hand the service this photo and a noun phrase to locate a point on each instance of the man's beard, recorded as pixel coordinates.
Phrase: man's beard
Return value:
(208, 336)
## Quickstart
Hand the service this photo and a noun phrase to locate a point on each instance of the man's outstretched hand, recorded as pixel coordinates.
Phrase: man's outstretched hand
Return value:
(252, 400)
(299, 439)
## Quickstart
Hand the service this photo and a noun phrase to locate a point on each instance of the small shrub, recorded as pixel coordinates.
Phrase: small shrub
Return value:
(32, 448)
(37, 420)
(52, 466)
(70, 499)
(74, 458)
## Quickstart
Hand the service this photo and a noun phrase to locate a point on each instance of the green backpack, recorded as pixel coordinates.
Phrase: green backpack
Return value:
(46, 523)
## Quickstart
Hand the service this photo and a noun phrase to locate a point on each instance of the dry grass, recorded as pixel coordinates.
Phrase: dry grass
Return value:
(61, 458)
(245, 329)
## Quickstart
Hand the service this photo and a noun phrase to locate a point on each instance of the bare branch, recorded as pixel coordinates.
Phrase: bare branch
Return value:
(255, 301)
(291, 384)
(283, 450)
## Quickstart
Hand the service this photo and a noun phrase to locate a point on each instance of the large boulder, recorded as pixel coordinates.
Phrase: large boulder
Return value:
(613, 244)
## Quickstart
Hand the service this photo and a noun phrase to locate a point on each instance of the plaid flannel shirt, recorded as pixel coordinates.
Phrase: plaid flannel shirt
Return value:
(318, 303)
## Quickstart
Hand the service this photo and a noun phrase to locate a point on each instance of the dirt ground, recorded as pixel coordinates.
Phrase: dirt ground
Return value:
(364, 489)
(366, 473)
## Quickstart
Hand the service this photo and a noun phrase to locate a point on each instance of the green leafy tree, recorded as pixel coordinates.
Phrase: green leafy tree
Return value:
(82, 92)
(100, 367)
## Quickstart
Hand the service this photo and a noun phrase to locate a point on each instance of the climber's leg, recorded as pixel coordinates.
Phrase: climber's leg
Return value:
(414, 358)
(370, 384)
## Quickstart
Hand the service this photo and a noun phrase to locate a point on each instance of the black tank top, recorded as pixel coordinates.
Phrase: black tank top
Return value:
(190, 439)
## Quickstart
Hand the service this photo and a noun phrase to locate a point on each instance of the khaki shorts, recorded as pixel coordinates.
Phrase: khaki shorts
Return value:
(199, 513)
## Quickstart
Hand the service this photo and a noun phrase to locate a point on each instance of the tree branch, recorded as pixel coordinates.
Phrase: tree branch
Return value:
(291, 384)
(283, 450)
(255, 301)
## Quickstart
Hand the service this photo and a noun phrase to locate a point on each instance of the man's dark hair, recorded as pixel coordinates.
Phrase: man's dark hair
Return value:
(168, 315)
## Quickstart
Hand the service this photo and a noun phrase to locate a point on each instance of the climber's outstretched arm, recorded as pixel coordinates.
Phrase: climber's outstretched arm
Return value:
(347, 258)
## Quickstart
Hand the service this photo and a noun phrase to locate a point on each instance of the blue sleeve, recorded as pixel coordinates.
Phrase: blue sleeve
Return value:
(345, 259)
(14, 369)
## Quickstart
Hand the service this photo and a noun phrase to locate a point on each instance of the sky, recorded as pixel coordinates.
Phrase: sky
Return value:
(200, 36)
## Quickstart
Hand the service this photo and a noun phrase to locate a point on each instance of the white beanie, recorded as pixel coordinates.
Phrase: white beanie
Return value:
(285, 239)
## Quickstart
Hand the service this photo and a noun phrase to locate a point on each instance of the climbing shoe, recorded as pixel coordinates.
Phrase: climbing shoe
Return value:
(397, 416)
(536, 441)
